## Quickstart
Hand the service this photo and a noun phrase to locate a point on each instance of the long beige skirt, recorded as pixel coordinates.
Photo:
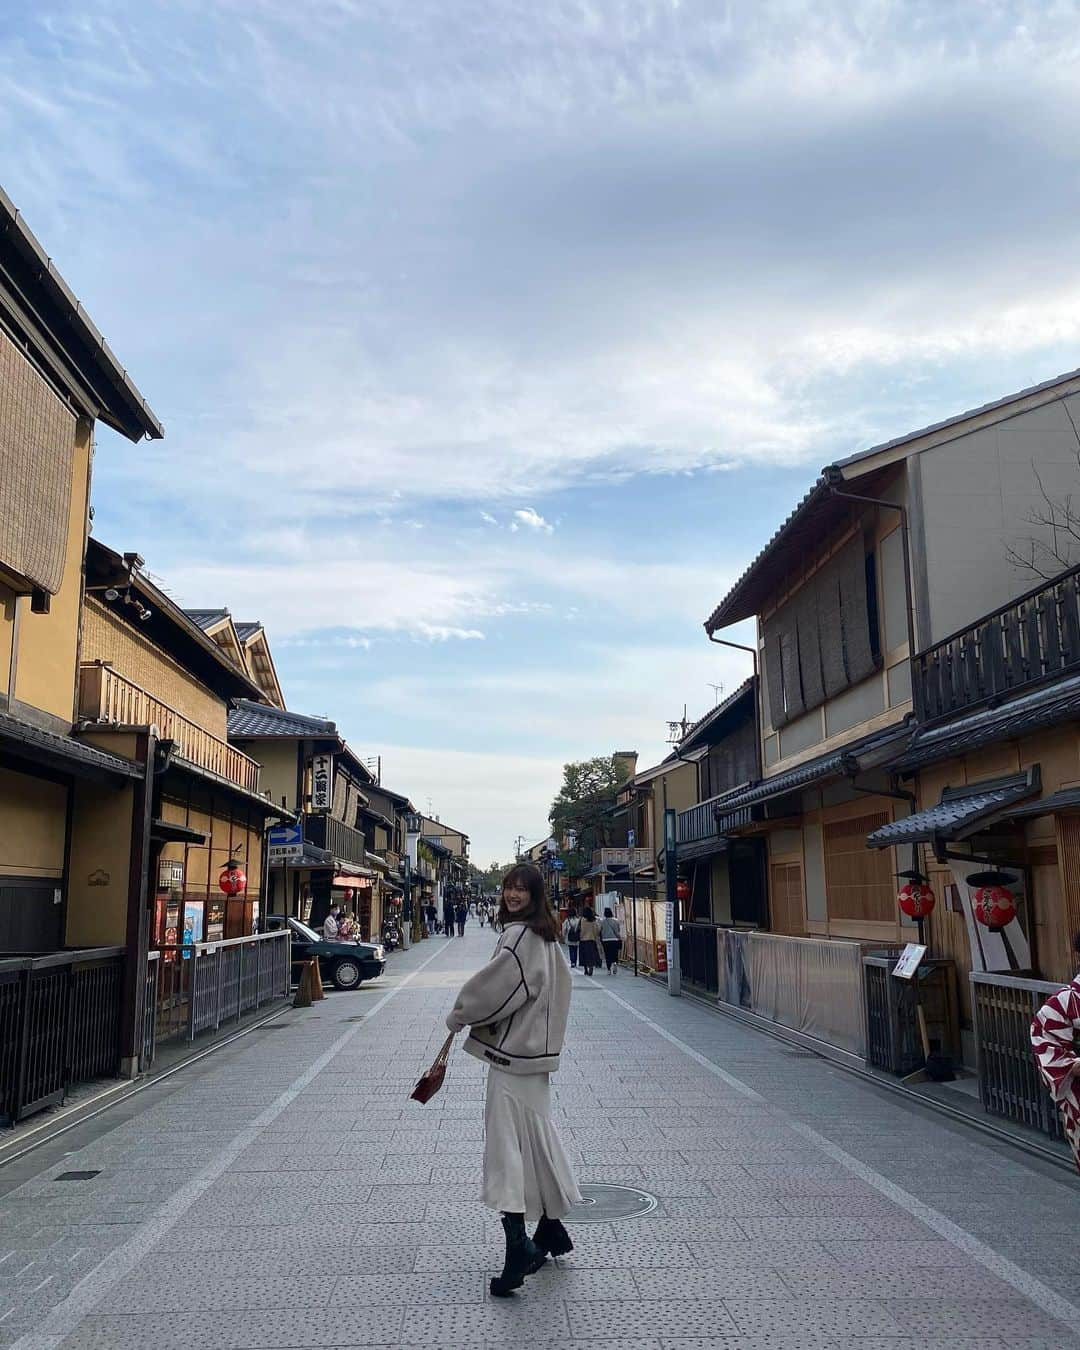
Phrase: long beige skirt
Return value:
(526, 1170)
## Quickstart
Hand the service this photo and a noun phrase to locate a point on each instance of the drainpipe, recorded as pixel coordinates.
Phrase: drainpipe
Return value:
(742, 647)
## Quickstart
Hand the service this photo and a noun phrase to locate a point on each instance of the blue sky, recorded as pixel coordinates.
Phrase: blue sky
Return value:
(492, 340)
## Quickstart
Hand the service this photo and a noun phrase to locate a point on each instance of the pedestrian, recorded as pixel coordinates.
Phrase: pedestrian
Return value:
(448, 917)
(589, 941)
(431, 916)
(1055, 1038)
(461, 914)
(611, 938)
(516, 1009)
(571, 931)
(330, 924)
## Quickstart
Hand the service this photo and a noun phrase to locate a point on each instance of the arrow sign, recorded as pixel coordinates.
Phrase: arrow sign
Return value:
(285, 843)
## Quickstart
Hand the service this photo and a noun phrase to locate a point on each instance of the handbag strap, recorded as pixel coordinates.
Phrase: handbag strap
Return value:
(444, 1053)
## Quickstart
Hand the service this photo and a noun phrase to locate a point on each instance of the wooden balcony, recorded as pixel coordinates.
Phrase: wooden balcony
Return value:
(110, 699)
(697, 822)
(345, 843)
(1019, 645)
(620, 857)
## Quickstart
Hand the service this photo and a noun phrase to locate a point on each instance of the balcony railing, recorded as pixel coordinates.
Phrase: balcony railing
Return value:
(698, 822)
(620, 857)
(110, 699)
(1028, 640)
(340, 839)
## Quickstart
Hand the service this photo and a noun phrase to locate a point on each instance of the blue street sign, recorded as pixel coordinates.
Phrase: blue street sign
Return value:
(557, 864)
(281, 836)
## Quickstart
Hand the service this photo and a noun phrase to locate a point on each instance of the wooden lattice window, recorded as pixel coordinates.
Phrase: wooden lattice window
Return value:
(859, 883)
(786, 899)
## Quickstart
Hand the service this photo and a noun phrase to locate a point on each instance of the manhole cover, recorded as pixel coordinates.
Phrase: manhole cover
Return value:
(271, 1026)
(602, 1203)
(78, 1176)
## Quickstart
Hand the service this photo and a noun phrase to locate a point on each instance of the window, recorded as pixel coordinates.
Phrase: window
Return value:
(859, 884)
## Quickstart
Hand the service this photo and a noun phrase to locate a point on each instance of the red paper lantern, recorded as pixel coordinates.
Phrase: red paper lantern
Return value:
(233, 879)
(993, 906)
(349, 892)
(682, 890)
(916, 899)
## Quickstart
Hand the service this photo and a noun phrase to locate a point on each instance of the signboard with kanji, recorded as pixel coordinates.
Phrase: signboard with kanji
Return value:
(322, 782)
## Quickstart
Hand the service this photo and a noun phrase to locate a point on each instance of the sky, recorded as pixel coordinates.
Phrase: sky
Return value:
(494, 339)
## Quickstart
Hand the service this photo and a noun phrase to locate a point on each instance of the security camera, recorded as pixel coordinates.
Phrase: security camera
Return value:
(112, 593)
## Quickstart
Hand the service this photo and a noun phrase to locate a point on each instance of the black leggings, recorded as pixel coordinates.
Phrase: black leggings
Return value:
(611, 951)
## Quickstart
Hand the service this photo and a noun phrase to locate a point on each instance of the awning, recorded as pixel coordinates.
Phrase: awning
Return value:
(312, 857)
(702, 848)
(46, 749)
(962, 811)
(357, 882)
(1067, 799)
(171, 833)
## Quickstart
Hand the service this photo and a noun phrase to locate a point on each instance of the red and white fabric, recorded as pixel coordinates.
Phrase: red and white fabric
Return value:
(1055, 1035)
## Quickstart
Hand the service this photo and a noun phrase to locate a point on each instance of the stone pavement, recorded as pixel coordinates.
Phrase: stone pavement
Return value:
(286, 1193)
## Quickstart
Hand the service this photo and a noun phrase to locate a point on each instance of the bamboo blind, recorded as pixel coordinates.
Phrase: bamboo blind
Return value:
(37, 460)
(858, 880)
(1069, 861)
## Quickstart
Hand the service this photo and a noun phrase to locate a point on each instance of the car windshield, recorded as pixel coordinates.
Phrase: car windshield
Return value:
(308, 934)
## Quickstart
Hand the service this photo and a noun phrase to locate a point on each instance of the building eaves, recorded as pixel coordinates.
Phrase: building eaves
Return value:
(1045, 707)
(246, 631)
(48, 749)
(70, 345)
(959, 813)
(848, 759)
(206, 618)
(250, 720)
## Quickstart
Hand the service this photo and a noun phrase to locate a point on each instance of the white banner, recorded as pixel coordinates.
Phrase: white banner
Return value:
(322, 782)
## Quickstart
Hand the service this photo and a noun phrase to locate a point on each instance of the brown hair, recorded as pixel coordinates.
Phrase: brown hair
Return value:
(540, 917)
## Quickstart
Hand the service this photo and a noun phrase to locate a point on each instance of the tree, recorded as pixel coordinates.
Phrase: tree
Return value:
(1057, 545)
(584, 803)
(490, 877)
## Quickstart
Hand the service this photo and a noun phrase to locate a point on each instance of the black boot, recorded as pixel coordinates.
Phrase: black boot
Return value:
(523, 1257)
(552, 1238)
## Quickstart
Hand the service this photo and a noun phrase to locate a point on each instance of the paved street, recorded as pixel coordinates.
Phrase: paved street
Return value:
(285, 1192)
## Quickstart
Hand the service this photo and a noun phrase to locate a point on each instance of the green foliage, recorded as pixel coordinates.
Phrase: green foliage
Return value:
(584, 805)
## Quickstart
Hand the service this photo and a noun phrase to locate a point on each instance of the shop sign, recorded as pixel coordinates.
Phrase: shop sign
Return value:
(170, 875)
(322, 782)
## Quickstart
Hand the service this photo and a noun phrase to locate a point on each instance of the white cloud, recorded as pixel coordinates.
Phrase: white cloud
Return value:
(530, 519)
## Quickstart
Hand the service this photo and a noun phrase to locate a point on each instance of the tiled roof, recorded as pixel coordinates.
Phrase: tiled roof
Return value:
(824, 766)
(206, 618)
(247, 630)
(702, 725)
(959, 813)
(49, 747)
(259, 719)
(1060, 702)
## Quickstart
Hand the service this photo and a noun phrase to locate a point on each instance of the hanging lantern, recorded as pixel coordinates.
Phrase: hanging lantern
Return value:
(233, 879)
(349, 892)
(916, 899)
(992, 902)
(682, 890)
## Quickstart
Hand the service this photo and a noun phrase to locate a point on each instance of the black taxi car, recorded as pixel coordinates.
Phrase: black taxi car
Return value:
(345, 964)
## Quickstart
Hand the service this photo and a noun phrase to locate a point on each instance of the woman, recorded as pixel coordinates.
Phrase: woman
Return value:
(1055, 1038)
(611, 939)
(571, 931)
(516, 1009)
(461, 913)
(589, 941)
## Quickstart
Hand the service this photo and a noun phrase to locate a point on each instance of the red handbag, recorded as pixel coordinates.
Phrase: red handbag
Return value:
(430, 1082)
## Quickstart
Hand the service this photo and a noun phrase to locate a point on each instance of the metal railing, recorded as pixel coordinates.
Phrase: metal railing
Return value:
(148, 1044)
(1009, 1082)
(59, 1025)
(1019, 644)
(893, 1040)
(202, 985)
(345, 843)
(109, 698)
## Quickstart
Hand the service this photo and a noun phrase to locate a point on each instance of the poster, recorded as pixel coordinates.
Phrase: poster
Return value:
(908, 964)
(193, 924)
(999, 953)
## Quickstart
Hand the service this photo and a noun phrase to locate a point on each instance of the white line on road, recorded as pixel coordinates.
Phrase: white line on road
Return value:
(1049, 1300)
(89, 1292)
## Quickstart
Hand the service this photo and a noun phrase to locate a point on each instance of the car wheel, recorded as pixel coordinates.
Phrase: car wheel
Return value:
(347, 974)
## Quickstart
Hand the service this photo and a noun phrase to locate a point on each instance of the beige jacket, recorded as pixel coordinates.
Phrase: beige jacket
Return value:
(517, 1005)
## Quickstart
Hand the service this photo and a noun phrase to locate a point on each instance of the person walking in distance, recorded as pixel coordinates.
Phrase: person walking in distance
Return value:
(516, 1009)
(589, 948)
(611, 938)
(571, 931)
(448, 916)
(461, 913)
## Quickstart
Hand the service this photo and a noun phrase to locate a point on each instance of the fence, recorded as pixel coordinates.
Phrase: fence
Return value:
(811, 985)
(1009, 1083)
(202, 985)
(892, 1029)
(59, 1025)
(698, 955)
